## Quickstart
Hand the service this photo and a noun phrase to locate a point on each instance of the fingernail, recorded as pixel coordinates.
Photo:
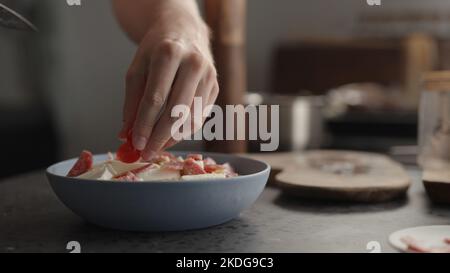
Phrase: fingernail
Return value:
(139, 142)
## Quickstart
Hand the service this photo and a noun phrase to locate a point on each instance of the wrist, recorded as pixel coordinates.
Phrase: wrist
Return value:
(180, 26)
(182, 22)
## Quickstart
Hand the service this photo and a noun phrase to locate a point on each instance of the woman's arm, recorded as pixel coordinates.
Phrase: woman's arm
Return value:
(173, 64)
(136, 16)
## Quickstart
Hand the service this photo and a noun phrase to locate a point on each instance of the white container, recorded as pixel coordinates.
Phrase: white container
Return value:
(434, 122)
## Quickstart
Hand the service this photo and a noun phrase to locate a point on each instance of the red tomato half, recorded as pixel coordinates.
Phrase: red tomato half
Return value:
(127, 153)
(83, 164)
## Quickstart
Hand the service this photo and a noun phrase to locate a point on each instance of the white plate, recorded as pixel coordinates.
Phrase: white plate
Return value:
(428, 235)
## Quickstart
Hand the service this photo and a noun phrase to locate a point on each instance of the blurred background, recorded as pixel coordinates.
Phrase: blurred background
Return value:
(355, 67)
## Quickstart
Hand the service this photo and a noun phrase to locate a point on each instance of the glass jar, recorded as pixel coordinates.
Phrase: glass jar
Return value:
(434, 122)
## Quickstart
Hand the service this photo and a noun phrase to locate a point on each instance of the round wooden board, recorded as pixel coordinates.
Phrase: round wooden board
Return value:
(437, 185)
(344, 176)
(277, 161)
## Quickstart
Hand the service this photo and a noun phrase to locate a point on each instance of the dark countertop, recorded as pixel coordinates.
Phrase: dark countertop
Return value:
(33, 220)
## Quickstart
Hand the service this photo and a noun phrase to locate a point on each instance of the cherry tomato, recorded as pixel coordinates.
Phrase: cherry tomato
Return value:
(127, 153)
(83, 164)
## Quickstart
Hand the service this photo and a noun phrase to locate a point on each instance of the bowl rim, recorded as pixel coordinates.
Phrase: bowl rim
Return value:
(239, 178)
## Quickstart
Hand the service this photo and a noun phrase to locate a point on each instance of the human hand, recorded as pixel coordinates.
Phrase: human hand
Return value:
(173, 64)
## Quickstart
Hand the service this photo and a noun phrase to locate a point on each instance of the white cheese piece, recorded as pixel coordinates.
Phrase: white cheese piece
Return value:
(159, 174)
(200, 163)
(124, 180)
(107, 174)
(207, 176)
(118, 167)
(98, 172)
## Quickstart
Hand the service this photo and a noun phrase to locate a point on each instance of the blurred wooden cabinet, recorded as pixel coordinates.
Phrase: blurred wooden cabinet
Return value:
(227, 20)
(316, 65)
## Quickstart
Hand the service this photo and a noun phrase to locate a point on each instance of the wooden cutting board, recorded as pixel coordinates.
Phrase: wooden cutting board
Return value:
(277, 161)
(437, 185)
(338, 175)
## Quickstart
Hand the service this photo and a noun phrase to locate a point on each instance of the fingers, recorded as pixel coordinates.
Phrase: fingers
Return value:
(188, 79)
(170, 143)
(204, 91)
(135, 84)
(169, 73)
(163, 68)
(213, 95)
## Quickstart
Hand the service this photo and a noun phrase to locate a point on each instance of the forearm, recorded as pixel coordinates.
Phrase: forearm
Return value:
(137, 16)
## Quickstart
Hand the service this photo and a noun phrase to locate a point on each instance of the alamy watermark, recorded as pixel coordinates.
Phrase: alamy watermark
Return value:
(374, 247)
(73, 2)
(373, 2)
(234, 122)
(369, 2)
(371, 246)
(74, 247)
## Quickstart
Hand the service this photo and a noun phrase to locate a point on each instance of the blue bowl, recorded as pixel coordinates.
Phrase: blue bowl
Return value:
(161, 205)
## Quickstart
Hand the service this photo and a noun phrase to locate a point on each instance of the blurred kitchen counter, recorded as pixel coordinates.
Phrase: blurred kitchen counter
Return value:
(33, 220)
